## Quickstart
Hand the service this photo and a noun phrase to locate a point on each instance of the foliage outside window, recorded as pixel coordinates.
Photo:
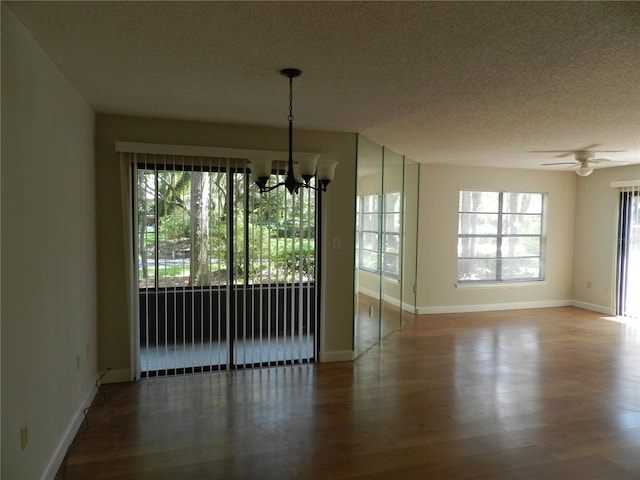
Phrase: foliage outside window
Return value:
(500, 236)
(378, 239)
(199, 227)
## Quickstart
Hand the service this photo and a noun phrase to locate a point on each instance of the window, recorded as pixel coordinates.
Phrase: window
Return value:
(391, 235)
(378, 239)
(500, 237)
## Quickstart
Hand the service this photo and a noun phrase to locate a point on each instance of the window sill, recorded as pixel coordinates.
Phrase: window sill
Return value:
(485, 285)
(386, 278)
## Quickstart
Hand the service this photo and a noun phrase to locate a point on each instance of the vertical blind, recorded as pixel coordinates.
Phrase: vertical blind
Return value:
(628, 250)
(226, 276)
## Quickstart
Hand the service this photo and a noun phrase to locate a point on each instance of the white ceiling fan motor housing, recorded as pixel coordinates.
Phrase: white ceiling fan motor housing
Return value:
(584, 156)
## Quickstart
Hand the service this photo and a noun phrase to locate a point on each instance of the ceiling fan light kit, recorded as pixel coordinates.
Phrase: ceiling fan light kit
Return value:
(584, 169)
(584, 158)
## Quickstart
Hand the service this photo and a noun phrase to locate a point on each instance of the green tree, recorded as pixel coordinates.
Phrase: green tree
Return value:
(200, 270)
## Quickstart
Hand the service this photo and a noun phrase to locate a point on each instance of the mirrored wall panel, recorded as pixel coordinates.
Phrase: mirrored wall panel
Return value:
(368, 256)
(386, 231)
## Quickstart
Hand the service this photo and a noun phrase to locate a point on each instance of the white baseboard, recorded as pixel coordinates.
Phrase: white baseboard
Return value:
(488, 307)
(117, 376)
(409, 308)
(58, 456)
(592, 307)
(389, 299)
(336, 356)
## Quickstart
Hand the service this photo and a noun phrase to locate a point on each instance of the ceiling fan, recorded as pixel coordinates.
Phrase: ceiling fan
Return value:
(583, 158)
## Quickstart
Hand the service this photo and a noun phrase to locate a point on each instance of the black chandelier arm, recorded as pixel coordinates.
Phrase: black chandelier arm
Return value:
(262, 186)
(264, 189)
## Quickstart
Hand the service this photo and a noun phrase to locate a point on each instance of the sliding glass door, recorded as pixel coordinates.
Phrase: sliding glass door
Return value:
(628, 275)
(226, 276)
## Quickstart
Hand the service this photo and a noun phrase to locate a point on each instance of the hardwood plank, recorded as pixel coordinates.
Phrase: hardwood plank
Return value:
(529, 394)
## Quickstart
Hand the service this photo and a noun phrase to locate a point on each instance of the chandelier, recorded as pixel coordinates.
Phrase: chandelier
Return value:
(300, 172)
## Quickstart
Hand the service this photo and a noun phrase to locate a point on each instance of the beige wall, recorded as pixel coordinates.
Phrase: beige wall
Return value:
(48, 257)
(411, 253)
(338, 209)
(437, 244)
(596, 232)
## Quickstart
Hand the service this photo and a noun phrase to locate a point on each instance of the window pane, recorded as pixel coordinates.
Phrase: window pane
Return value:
(521, 246)
(218, 227)
(390, 264)
(147, 228)
(177, 221)
(476, 269)
(479, 201)
(370, 241)
(370, 203)
(521, 224)
(478, 247)
(392, 222)
(392, 202)
(369, 260)
(370, 222)
(391, 243)
(522, 202)
(478, 224)
(521, 269)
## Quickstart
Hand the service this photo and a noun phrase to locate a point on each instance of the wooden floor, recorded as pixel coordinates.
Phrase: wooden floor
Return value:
(528, 394)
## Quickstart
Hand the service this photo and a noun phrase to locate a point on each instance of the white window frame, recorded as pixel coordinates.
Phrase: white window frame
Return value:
(381, 232)
(500, 238)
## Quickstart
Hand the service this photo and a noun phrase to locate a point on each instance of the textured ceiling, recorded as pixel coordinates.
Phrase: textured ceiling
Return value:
(470, 83)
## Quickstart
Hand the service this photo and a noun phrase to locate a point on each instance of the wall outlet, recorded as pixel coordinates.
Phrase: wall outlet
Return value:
(370, 311)
(24, 437)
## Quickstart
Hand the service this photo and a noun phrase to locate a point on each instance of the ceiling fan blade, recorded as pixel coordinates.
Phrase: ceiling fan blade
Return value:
(550, 151)
(570, 150)
(560, 163)
(587, 148)
(567, 150)
(600, 160)
(563, 153)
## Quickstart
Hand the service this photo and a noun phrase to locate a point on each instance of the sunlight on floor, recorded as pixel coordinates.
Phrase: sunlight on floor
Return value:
(634, 322)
